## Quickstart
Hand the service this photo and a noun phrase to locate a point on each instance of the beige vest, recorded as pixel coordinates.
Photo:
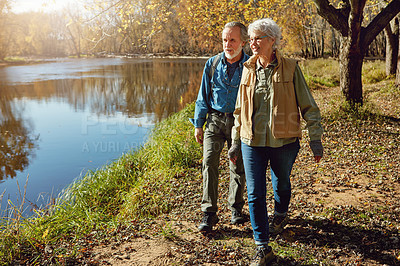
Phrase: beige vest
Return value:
(286, 115)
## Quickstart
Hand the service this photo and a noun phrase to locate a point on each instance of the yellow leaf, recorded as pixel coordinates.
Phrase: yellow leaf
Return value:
(45, 233)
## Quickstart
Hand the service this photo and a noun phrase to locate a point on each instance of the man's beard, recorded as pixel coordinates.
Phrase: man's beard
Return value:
(236, 53)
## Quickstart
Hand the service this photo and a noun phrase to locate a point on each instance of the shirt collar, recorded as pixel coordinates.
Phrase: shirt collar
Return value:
(273, 64)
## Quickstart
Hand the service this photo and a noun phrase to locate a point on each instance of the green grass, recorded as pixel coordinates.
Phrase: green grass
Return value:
(321, 73)
(133, 186)
(19, 60)
(355, 113)
(295, 253)
(373, 71)
(14, 59)
(168, 233)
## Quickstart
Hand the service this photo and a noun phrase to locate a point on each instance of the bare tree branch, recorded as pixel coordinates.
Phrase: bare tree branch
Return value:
(336, 17)
(379, 22)
(103, 11)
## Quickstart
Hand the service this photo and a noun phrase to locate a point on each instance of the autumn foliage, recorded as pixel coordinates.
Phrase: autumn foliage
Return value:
(178, 27)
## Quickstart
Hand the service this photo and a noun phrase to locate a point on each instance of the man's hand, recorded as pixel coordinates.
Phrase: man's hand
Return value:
(317, 149)
(234, 152)
(198, 134)
(317, 158)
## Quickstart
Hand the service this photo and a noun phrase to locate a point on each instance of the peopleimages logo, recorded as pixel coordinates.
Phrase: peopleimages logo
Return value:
(109, 146)
(114, 126)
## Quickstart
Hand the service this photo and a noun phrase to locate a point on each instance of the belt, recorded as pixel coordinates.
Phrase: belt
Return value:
(221, 113)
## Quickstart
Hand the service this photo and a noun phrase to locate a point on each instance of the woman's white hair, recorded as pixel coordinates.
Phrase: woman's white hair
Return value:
(269, 28)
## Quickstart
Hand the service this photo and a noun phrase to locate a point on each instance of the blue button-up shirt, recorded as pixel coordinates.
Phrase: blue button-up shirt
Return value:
(224, 90)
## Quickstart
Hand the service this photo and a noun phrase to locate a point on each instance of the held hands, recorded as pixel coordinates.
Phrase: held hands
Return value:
(198, 134)
(317, 149)
(234, 152)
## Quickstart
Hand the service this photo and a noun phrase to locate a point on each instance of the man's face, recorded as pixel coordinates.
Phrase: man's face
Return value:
(232, 43)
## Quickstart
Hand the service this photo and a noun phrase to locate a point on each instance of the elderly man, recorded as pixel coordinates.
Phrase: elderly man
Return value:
(215, 105)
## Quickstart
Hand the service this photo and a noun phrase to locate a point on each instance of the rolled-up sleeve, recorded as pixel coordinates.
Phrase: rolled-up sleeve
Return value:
(308, 107)
(202, 105)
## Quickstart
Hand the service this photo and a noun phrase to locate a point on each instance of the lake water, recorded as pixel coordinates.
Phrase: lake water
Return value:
(60, 119)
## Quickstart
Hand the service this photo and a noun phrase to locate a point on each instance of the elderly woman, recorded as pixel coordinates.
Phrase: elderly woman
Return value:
(272, 95)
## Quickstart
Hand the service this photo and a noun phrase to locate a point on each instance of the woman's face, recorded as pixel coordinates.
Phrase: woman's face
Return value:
(260, 43)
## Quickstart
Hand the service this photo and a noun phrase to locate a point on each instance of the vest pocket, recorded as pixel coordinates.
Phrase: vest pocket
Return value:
(286, 115)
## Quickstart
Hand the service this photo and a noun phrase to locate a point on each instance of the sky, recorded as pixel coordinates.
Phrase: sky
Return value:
(19, 6)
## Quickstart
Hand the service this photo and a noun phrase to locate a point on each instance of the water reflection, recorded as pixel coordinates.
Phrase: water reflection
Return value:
(17, 144)
(126, 88)
(157, 86)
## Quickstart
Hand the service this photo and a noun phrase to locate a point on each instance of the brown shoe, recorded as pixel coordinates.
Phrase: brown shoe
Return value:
(264, 256)
(278, 224)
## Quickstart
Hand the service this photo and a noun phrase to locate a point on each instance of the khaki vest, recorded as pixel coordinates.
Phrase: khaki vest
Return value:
(286, 115)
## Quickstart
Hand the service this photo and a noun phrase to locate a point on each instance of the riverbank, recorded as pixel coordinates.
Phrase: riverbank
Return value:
(20, 61)
(144, 208)
(30, 60)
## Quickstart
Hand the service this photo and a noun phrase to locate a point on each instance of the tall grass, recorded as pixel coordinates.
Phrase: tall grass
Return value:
(133, 186)
(170, 151)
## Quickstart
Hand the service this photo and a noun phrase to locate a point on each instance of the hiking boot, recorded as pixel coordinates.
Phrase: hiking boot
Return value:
(278, 224)
(209, 220)
(264, 256)
(237, 217)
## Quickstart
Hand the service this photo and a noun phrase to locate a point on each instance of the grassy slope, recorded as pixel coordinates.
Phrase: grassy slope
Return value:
(344, 210)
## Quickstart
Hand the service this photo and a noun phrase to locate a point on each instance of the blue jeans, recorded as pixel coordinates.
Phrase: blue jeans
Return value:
(255, 161)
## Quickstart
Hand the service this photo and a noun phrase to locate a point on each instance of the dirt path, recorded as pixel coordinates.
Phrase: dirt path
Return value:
(344, 211)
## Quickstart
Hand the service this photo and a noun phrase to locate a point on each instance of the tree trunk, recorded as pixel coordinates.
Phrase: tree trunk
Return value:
(398, 67)
(351, 57)
(350, 67)
(334, 43)
(355, 39)
(392, 47)
(323, 39)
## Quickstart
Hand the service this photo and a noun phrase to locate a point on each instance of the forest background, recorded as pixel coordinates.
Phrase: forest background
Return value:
(169, 27)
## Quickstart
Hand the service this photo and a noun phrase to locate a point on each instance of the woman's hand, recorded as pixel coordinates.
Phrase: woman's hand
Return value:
(317, 149)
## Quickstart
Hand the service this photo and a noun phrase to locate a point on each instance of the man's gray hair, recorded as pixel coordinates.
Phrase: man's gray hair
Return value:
(243, 30)
(269, 28)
